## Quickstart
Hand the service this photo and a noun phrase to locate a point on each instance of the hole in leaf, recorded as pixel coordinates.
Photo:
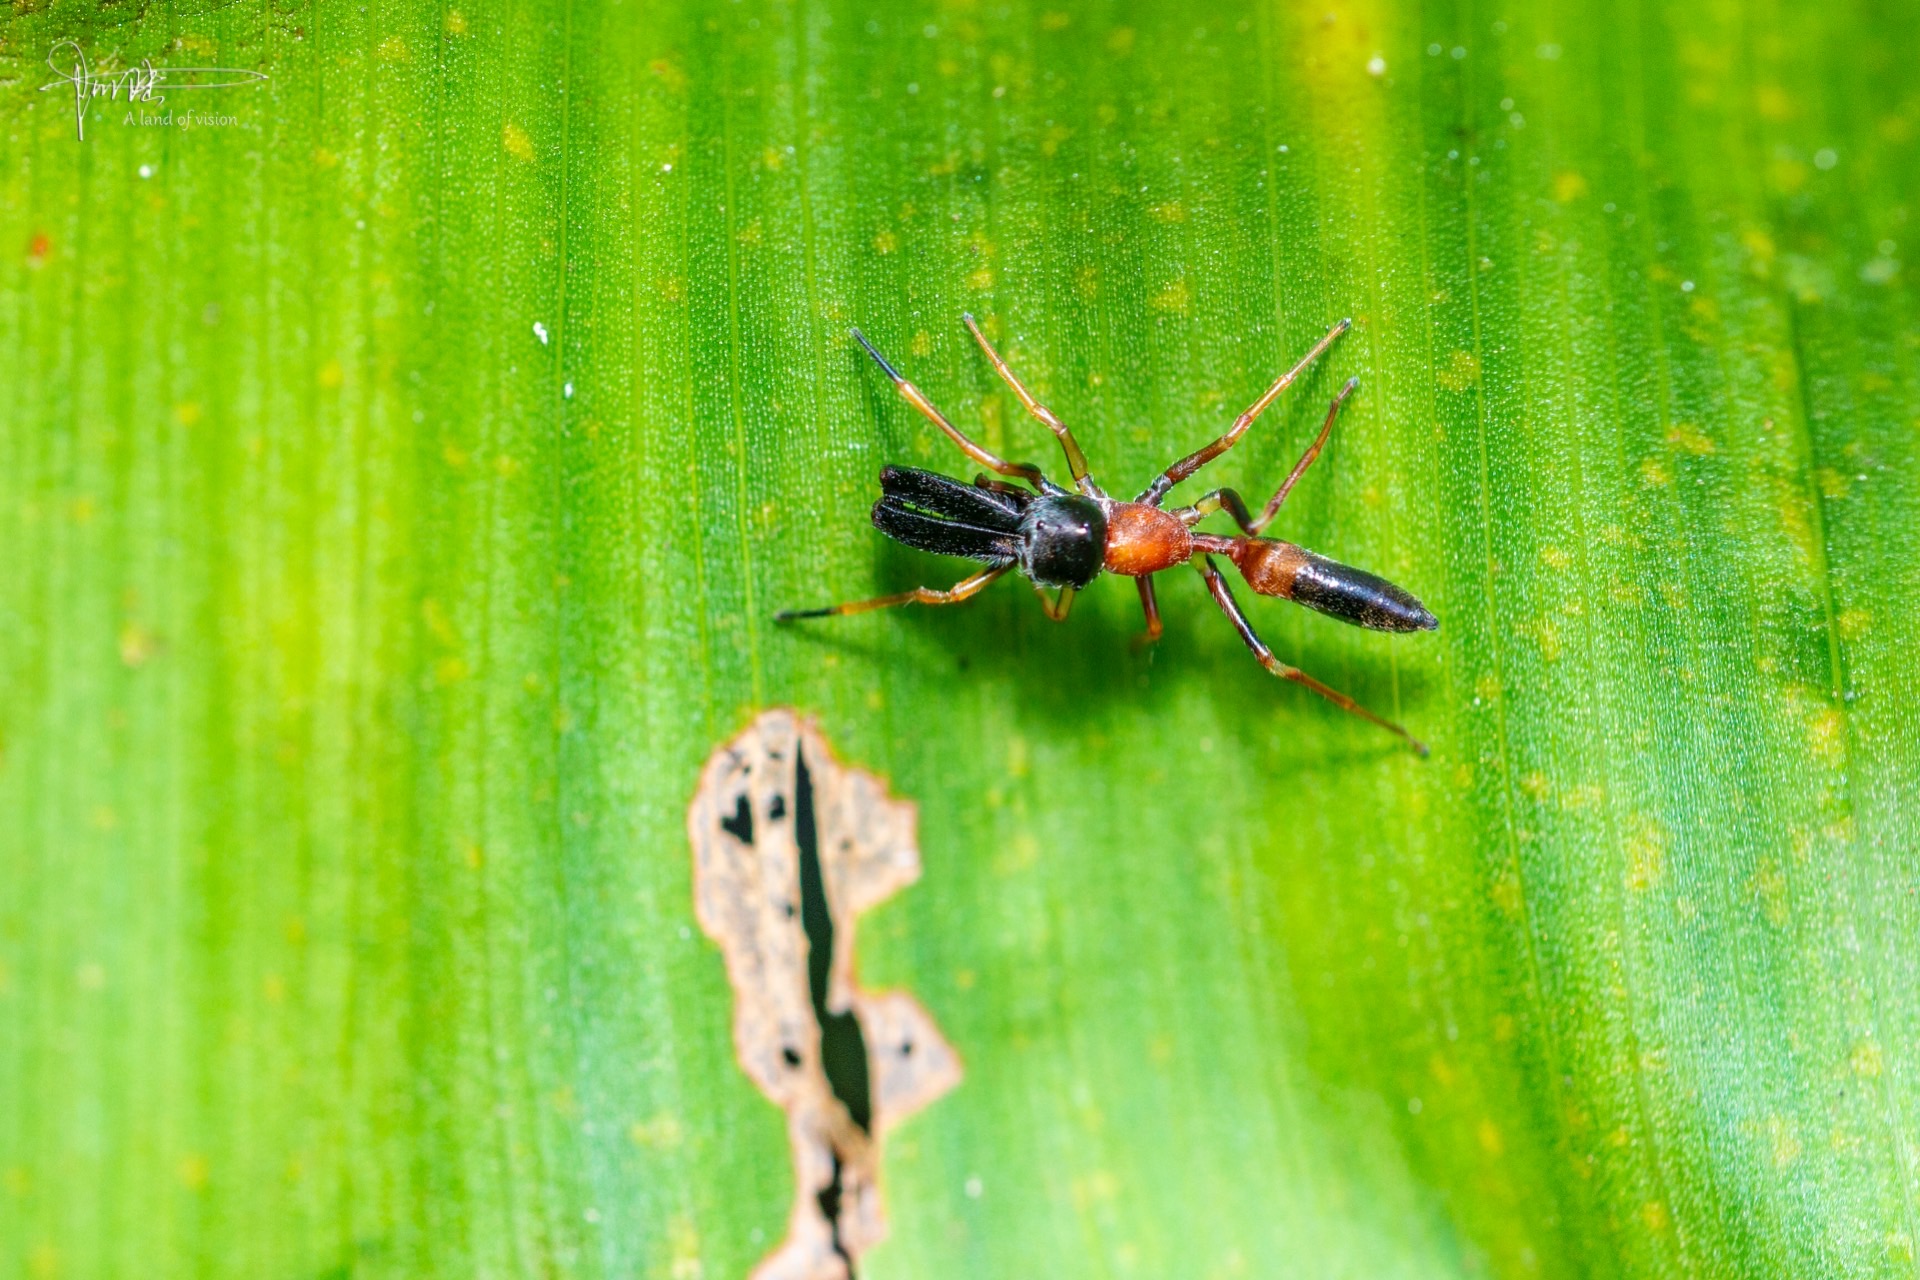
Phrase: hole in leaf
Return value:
(781, 902)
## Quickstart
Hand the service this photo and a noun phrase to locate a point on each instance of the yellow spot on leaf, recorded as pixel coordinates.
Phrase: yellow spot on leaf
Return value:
(187, 413)
(1054, 21)
(137, 645)
(1654, 472)
(683, 1250)
(516, 141)
(1094, 1188)
(1490, 1140)
(1175, 298)
(981, 280)
(1654, 1215)
(392, 49)
(1021, 852)
(1783, 1141)
(1772, 102)
(1462, 371)
(1770, 885)
(192, 1172)
(1646, 854)
(660, 1132)
(1568, 187)
(455, 23)
(1120, 41)
(1505, 892)
(1554, 558)
(1826, 732)
(1171, 211)
(1549, 635)
(1690, 438)
(1866, 1060)
(885, 242)
(1853, 623)
(669, 75)
(922, 344)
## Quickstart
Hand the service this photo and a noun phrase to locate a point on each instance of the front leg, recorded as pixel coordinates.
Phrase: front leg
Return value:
(1059, 605)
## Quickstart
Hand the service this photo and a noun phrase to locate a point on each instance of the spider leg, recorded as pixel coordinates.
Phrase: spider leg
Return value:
(1151, 607)
(1194, 461)
(1058, 605)
(1230, 502)
(1224, 598)
(1076, 460)
(919, 595)
(915, 397)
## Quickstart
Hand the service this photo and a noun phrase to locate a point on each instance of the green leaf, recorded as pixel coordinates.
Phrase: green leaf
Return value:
(399, 480)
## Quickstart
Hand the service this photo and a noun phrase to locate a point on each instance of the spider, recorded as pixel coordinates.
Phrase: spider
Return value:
(1063, 539)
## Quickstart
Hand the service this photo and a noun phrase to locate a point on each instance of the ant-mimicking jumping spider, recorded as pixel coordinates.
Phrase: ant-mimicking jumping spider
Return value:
(1062, 539)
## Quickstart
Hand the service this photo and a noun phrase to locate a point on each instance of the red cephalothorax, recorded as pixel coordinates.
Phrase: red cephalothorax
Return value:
(1143, 539)
(1061, 538)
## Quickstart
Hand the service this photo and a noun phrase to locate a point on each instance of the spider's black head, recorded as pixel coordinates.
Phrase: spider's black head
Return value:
(1063, 540)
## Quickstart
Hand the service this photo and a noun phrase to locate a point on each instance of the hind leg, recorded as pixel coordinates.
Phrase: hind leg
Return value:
(1224, 598)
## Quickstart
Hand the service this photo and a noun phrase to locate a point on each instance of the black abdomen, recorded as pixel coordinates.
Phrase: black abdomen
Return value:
(1354, 595)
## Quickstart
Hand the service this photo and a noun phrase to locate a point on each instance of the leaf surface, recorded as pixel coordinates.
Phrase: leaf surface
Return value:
(399, 480)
